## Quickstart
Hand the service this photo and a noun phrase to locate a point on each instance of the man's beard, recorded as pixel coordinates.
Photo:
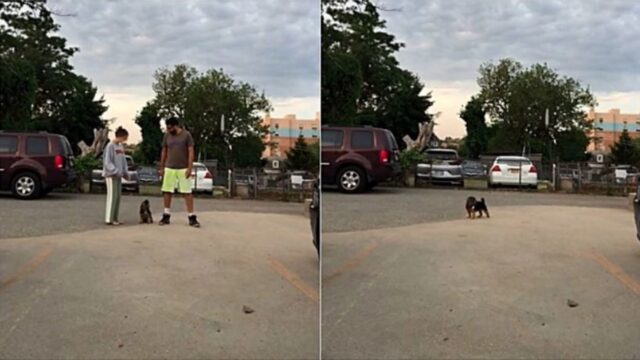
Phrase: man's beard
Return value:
(173, 132)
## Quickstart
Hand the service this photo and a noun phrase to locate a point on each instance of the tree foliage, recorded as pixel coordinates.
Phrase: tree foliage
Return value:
(624, 151)
(148, 151)
(38, 88)
(476, 141)
(302, 156)
(362, 83)
(516, 99)
(201, 100)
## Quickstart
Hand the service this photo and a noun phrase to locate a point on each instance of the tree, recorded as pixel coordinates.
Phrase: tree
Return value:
(38, 88)
(148, 151)
(476, 141)
(301, 157)
(200, 100)
(516, 99)
(362, 83)
(571, 145)
(247, 151)
(624, 151)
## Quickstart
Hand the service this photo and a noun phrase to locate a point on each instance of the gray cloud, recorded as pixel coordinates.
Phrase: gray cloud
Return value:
(595, 41)
(272, 44)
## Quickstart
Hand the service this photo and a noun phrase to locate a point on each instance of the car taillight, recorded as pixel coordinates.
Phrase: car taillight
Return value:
(208, 175)
(383, 156)
(495, 168)
(58, 162)
(533, 169)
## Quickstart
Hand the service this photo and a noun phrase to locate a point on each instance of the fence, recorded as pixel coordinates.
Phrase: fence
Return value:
(255, 183)
(595, 178)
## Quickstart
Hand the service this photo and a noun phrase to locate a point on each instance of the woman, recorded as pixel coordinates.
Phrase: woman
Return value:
(114, 168)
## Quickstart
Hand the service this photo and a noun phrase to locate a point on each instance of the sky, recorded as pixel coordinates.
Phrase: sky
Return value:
(596, 42)
(272, 44)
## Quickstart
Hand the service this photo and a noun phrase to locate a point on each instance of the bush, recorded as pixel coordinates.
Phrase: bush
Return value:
(409, 159)
(83, 165)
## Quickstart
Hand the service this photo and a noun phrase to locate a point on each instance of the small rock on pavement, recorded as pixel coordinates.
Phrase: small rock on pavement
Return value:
(120, 345)
(571, 303)
(247, 310)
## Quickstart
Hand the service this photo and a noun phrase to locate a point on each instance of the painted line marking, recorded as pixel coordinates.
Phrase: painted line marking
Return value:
(616, 271)
(27, 268)
(351, 263)
(294, 280)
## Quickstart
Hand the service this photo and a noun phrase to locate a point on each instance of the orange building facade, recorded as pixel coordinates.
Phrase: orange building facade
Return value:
(607, 127)
(283, 133)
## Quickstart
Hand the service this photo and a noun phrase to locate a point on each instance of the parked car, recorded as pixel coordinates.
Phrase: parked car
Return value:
(441, 166)
(513, 170)
(131, 183)
(473, 169)
(201, 178)
(32, 164)
(148, 175)
(358, 158)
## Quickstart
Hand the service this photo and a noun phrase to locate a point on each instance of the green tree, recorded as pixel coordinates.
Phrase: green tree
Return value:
(247, 151)
(516, 99)
(39, 90)
(201, 100)
(476, 141)
(148, 151)
(301, 157)
(571, 145)
(624, 151)
(362, 83)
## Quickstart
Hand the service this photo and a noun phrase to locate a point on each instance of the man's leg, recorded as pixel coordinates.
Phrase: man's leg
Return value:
(185, 188)
(168, 187)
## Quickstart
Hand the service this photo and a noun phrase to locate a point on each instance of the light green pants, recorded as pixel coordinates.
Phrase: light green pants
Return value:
(114, 193)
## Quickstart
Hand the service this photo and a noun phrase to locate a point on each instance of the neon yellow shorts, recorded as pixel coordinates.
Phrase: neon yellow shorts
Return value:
(176, 179)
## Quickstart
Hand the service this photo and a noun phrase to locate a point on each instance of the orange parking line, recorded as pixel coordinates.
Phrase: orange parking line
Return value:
(27, 268)
(294, 280)
(351, 263)
(616, 271)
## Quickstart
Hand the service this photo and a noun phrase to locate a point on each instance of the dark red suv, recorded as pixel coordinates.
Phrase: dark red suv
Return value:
(32, 164)
(358, 158)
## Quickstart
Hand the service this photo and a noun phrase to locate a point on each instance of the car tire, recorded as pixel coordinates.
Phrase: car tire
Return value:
(352, 180)
(26, 186)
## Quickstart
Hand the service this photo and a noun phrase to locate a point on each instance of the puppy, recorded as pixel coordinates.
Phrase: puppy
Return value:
(145, 213)
(474, 206)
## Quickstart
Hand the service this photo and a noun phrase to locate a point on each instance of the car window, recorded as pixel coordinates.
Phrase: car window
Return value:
(332, 138)
(8, 144)
(441, 155)
(361, 139)
(37, 145)
(514, 162)
(393, 144)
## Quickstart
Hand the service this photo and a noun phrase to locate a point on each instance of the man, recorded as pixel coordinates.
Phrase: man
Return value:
(176, 163)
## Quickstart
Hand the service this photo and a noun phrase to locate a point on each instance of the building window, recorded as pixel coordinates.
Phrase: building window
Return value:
(277, 126)
(300, 128)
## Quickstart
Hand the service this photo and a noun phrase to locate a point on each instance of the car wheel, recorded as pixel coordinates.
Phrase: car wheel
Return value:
(26, 186)
(351, 179)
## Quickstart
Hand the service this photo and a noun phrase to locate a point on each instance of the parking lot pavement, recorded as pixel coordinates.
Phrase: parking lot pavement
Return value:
(147, 291)
(389, 207)
(60, 213)
(487, 288)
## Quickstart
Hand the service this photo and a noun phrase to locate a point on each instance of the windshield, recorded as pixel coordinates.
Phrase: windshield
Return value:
(441, 155)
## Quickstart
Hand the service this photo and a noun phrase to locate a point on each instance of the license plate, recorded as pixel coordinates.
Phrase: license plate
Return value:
(438, 173)
(514, 171)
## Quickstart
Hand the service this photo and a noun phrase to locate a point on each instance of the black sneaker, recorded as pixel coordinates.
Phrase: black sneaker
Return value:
(166, 219)
(193, 221)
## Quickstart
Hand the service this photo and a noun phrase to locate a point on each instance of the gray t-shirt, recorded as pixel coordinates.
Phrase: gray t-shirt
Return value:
(177, 149)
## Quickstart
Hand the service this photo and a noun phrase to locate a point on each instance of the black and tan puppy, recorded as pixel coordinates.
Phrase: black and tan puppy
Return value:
(145, 213)
(474, 206)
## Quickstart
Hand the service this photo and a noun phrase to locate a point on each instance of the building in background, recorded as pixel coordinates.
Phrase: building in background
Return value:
(607, 127)
(283, 133)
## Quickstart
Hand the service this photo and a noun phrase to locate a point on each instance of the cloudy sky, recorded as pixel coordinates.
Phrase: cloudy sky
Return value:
(594, 41)
(272, 44)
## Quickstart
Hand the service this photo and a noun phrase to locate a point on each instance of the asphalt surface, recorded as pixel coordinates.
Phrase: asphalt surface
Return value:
(60, 213)
(391, 207)
(494, 288)
(151, 292)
